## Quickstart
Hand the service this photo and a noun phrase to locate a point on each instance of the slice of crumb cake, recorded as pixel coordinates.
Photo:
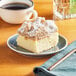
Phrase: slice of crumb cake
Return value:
(38, 36)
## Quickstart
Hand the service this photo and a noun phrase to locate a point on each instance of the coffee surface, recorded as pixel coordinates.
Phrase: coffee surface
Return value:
(15, 6)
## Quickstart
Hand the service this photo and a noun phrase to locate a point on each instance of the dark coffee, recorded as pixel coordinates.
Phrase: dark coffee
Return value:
(15, 6)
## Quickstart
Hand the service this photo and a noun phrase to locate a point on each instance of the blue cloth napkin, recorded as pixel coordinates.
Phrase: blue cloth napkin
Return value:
(66, 68)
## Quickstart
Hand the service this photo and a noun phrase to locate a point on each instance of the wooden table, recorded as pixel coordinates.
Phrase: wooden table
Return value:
(44, 8)
(14, 64)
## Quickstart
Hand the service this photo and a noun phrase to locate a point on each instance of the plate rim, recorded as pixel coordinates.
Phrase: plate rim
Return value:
(35, 54)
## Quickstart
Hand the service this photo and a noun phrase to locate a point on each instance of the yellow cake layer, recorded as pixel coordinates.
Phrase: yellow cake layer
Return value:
(38, 46)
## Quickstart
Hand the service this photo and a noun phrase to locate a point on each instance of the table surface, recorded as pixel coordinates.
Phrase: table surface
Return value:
(14, 64)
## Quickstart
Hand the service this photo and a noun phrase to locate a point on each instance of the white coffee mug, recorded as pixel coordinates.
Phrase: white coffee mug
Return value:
(17, 16)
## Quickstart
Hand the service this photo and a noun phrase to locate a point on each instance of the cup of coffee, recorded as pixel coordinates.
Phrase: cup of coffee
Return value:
(17, 11)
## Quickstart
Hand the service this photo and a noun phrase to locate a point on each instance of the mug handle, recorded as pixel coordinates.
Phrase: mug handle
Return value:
(35, 15)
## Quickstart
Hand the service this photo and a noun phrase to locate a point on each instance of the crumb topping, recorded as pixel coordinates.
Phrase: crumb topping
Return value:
(37, 29)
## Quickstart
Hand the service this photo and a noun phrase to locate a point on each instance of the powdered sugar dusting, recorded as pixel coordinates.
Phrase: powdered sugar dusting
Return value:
(38, 28)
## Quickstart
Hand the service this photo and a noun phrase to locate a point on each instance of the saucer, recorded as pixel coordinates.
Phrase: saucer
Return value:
(12, 44)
